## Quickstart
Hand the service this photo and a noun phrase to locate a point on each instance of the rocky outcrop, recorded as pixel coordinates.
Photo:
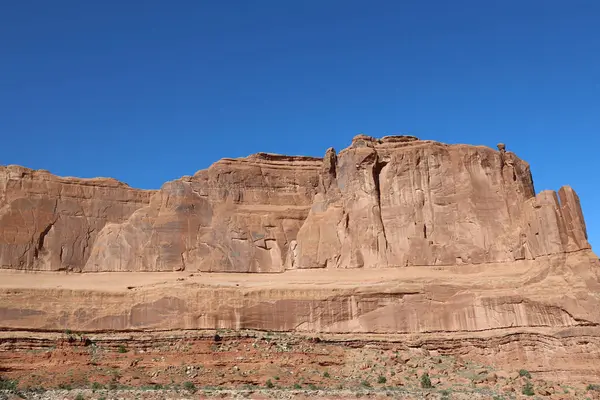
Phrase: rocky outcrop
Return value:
(390, 202)
(240, 215)
(399, 201)
(51, 223)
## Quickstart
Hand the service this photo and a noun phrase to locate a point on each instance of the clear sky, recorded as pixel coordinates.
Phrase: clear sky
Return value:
(148, 91)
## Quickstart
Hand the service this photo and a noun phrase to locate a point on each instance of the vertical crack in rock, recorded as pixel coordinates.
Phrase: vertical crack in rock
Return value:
(183, 266)
(378, 165)
(41, 239)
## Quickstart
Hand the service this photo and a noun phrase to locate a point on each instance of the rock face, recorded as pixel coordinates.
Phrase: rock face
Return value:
(391, 202)
(399, 201)
(238, 216)
(51, 223)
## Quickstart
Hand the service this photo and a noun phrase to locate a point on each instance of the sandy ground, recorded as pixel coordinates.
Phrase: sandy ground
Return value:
(486, 274)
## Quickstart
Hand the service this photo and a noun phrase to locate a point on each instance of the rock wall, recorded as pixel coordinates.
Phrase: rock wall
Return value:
(240, 215)
(395, 201)
(400, 201)
(51, 223)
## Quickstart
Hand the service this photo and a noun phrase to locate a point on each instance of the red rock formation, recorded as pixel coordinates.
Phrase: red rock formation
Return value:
(394, 201)
(399, 201)
(240, 215)
(51, 223)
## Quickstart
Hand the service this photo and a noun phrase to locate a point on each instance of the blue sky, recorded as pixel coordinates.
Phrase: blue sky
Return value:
(148, 91)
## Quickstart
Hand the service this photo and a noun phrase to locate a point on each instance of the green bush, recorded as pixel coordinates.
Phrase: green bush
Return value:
(595, 388)
(366, 384)
(426, 381)
(189, 386)
(528, 389)
(297, 386)
(326, 374)
(79, 397)
(381, 379)
(97, 386)
(269, 384)
(525, 373)
(8, 384)
(122, 349)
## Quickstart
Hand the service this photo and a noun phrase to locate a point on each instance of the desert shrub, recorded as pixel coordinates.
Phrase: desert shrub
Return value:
(79, 397)
(381, 379)
(528, 389)
(269, 384)
(8, 384)
(595, 388)
(189, 386)
(122, 349)
(426, 381)
(97, 386)
(326, 374)
(297, 386)
(366, 384)
(524, 373)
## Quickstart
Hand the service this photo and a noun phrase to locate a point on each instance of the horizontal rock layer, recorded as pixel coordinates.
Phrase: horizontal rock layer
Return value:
(391, 202)
(553, 292)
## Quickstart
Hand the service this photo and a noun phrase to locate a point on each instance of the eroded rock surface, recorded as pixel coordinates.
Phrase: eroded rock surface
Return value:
(399, 201)
(51, 223)
(390, 202)
(240, 215)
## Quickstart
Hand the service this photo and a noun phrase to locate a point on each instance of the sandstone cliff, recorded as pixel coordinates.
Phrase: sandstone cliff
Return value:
(391, 202)
(51, 223)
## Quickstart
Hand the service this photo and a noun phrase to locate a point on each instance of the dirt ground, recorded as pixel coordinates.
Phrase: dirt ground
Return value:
(253, 365)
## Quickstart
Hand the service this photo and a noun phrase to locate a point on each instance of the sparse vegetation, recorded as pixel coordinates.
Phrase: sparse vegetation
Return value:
(382, 379)
(593, 387)
(426, 381)
(326, 375)
(8, 384)
(122, 349)
(297, 386)
(189, 386)
(97, 386)
(528, 389)
(524, 373)
(365, 384)
(79, 397)
(269, 384)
